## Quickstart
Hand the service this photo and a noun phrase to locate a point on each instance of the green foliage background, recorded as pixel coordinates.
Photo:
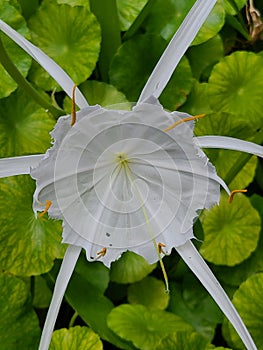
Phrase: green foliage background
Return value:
(109, 48)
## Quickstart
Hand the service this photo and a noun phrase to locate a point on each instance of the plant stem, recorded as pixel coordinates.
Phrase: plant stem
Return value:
(73, 319)
(106, 13)
(24, 84)
(139, 20)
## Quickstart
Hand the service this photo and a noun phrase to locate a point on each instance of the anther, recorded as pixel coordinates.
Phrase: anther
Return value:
(102, 252)
(160, 248)
(73, 110)
(183, 121)
(231, 196)
(48, 205)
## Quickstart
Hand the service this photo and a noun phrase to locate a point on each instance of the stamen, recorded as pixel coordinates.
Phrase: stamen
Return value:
(102, 252)
(73, 111)
(183, 121)
(48, 205)
(147, 221)
(231, 196)
(160, 248)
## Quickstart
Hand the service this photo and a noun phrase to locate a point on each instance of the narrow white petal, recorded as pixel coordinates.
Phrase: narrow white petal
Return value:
(196, 263)
(18, 165)
(176, 48)
(230, 143)
(62, 281)
(47, 63)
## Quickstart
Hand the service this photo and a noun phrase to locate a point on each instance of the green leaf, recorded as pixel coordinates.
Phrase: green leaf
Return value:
(97, 92)
(191, 301)
(185, 341)
(231, 231)
(76, 338)
(30, 244)
(94, 273)
(205, 55)
(234, 276)
(11, 15)
(28, 8)
(85, 295)
(230, 8)
(235, 86)
(248, 300)
(131, 67)
(197, 101)
(70, 36)
(74, 2)
(130, 268)
(149, 292)
(19, 327)
(167, 19)
(128, 11)
(144, 327)
(24, 126)
(42, 294)
(225, 161)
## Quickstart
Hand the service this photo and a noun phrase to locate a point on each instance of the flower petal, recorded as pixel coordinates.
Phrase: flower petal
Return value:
(18, 165)
(176, 48)
(196, 263)
(226, 142)
(66, 270)
(47, 63)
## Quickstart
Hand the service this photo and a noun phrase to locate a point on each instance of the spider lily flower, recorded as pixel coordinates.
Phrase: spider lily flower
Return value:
(128, 180)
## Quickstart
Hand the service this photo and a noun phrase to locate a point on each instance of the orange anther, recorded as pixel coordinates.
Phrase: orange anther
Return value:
(231, 196)
(183, 121)
(73, 111)
(102, 252)
(48, 205)
(160, 248)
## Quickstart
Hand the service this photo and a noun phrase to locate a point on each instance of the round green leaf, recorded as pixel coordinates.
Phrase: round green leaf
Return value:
(24, 126)
(248, 300)
(131, 67)
(128, 11)
(224, 160)
(76, 338)
(234, 276)
(184, 341)
(97, 92)
(144, 327)
(19, 327)
(231, 231)
(69, 35)
(30, 244)
(235, 86)
(149, 292)
(197, 101)
(167, 19)
(130, 268)
(11, 15)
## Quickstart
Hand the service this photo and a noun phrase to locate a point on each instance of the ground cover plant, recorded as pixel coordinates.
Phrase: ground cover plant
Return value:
(109, 49)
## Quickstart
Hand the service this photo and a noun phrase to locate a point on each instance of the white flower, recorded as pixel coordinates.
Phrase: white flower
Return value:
(120, 182)
(127, 180)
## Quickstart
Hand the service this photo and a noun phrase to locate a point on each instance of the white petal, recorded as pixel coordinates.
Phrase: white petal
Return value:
(18, 165)
(47, 63)
(62, 281)
(176, 48)
(229, 143)
(197, 264)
